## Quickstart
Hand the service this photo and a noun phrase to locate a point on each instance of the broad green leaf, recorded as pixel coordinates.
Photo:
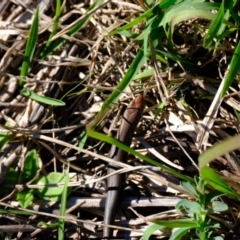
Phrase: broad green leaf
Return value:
(218, 206)
(178, 234)
(42, 99)
(217, 238)
(190, 189)
(25, 197)
(51, 193)
(31, 165)
(30, 48)
(10, 180)
(150, 230)
(190, 207)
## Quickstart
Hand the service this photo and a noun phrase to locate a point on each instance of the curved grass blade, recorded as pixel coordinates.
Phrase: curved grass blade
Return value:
(218, 150)
(185, 224)
(150, 230)
(186, 14)
(178, 234)
(30, 48)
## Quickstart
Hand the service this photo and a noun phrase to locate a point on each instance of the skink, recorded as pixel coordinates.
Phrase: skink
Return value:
(129, 122)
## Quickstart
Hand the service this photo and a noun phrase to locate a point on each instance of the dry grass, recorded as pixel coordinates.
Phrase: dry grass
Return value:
(83, 73)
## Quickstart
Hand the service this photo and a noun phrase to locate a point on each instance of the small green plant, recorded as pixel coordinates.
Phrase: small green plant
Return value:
(30, 170)
(197, 222)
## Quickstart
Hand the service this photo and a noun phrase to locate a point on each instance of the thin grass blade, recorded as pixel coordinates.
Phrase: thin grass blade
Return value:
(30, 48)
(41, 99)
(61, 225)
(233, 70)
(122, 146)
(76, 28)
(123, 84)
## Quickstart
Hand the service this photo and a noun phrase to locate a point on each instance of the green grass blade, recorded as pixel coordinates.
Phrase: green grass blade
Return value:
(218, 150)
(76, 28)
(156, 10)
(30, 47)
(74, 88)
(115, 95)
(25, 197)
(56, 22)
(42, 99)
(186, 14)
(179, 223)
(30, 167)
(148, 73)
(214, 28)
(136, 21)
(5, 136)
(214, 180)
(83, 139)
(112, 141)
(233, 70)
(10, 211)
(63, 207)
